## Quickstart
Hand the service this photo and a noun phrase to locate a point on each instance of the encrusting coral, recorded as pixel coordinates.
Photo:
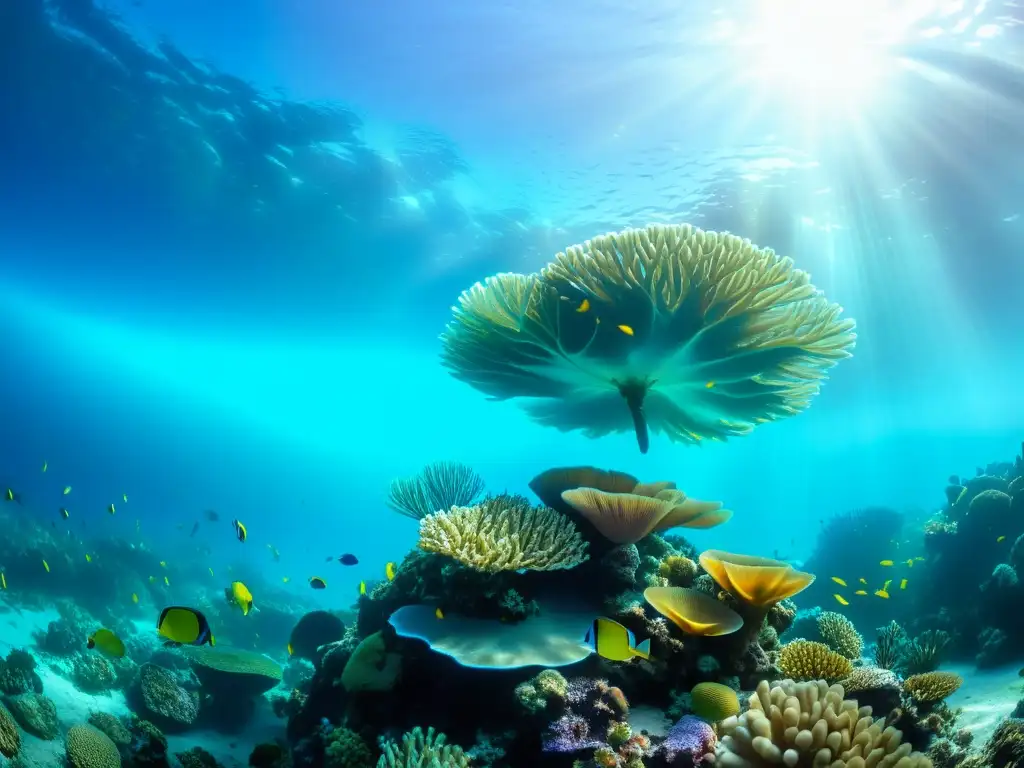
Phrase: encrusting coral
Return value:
(504, 534)
(810, 724)
(808, 660)
(693, 334)
(840, 635)
(929, 687)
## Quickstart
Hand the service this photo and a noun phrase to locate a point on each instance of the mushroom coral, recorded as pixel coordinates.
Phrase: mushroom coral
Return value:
(688, 333)
(693, 611)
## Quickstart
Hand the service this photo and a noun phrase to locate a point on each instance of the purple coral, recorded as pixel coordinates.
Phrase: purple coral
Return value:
(689, 743)
(569, 733)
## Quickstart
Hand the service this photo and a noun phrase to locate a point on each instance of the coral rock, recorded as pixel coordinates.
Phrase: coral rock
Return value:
(89, 747)
(35, 713)
(689, 742)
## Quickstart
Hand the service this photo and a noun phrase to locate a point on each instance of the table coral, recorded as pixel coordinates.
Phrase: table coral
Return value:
(929, 687)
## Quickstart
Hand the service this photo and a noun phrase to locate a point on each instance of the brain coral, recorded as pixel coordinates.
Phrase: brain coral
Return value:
(807, 660)
(10, 736)
(673, 329)
(504, 535)
(810, 724)
(840, 635)
(88, 747)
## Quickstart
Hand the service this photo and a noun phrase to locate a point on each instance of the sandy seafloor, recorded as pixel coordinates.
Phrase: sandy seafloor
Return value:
(74, 707)
(986, 697)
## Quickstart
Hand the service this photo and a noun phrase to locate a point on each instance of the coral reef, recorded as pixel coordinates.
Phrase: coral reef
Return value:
(421, 748)
(808, 660)
(840, 634)
(18, 674)
(438, 486)
(35, 713)
(10, 736)
(157, 696)
(89, 747)
(930, 687)
(344, 748)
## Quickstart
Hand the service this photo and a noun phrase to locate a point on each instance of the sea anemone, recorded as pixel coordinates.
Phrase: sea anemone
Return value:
(673, 329)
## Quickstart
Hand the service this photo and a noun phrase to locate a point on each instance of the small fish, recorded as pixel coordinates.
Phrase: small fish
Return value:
(167, 582)
(860, 592)
(625, 329)
(106, 642)
(291, 651)
(45, 465)
(389, 571)
(3, 580)
(362, 587)
(862, 581)
(163, 563)
(152, 579)
(67, 489)
(903, 583)
(111, 508)
(438, 613)
(910, 562)
(195, 529)
(88, 557)
(885, 563)
(239, 595)
(285, 579)
(274, 553)
(584, 306)
(882, 594)
(841, 600)
(1000, 540)
(124, 497)
(918, 559)
(210, 569)
(709, 385)
(10, 495)
(135, 597)
(317, 583)
(64, 513)
(348, 559)
(885, 587)
(240, 530)
(46, 565)
(839, 581)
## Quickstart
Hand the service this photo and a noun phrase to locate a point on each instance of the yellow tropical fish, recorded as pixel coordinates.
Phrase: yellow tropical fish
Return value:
(882, 594)
(46, 565)
(286, 579)
(918, 559)
(362, 587)
(841, 600)
(885, 587)
(438, 613)
(839, 581)
(1000, 539)
(863, 581)
(64, 513)
(135, 597)
(3, 581)
(291, 650)
(584, 306)
(210, 569)
(241, 596)
(88, 557)
(709, 385)
(861, 592)
(111, 509)
(67, 489)
(167, 582)
(626, 329)
(106, 642)
(903, 583)
(910, 562)
(389, 571)
(152, 579)
(886, 563)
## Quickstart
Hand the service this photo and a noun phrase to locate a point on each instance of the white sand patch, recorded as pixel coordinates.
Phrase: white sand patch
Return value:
(73, 706)
(17, 627)
(986, 697)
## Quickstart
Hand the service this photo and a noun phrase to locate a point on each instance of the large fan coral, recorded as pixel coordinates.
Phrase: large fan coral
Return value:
(504, 535)
(699, 334)
(438, 486)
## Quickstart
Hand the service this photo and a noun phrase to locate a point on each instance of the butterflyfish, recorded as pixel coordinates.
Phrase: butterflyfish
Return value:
(107, 643)
(317, 583)
(882, 594)
(438, 613)
(839, 581)
(346, 559)
(903, 583)
(240, 596)
(885, 563)
(389, 571)
(362, 587)
(184, 626)
(610, 640)
(841, 600)
(628, 330)
(584, 306)
(46, 565)
(861, 592)
(240, 530)
(64, 513)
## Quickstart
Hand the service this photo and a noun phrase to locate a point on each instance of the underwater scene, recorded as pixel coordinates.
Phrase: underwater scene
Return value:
(511, 385)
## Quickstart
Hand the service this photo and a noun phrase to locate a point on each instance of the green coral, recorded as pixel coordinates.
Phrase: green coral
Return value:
(89, 747)
(840, 635)
(234, 672)
(421, 749)
(619, 733)
(112, 726)
(345, 748)
(18, 673)
(197, 757)
(371, 667)
(10, 736)
(678, 571)
(93, 674)
(536, 694)
(35, 713)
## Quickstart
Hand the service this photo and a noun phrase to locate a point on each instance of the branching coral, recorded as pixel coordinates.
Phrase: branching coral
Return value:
(421, 749)
(929, 687)
(344, 748)
(438, 486)
(690, 333)
(890, 649)
(840, 635)
(924, 652)
(810, 724)
(807, 660)
(504, 535)
(540, 692)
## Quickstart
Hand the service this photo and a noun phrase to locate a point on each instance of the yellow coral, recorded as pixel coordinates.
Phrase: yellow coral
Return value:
(89, 747)
(929, 687)
(807, 660)
(10, 736)
(504, 537)
(678, 571)
(840, 635)
(810, 724)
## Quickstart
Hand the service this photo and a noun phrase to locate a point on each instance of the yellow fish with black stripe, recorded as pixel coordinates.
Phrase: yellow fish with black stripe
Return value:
(107, 643)
(184, 626)
(610, 640)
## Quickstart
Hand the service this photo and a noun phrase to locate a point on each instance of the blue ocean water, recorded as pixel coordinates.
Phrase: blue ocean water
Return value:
(230, 237)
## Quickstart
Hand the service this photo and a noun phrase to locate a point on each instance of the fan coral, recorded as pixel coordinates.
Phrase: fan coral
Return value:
(89, 747)
(924, 652)
(840, 635)
(807, 660)
(438, 486)
(702, 335)
(891, 647)
(504, 537)
(929, 687)
(808, 724)
(419, 748)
